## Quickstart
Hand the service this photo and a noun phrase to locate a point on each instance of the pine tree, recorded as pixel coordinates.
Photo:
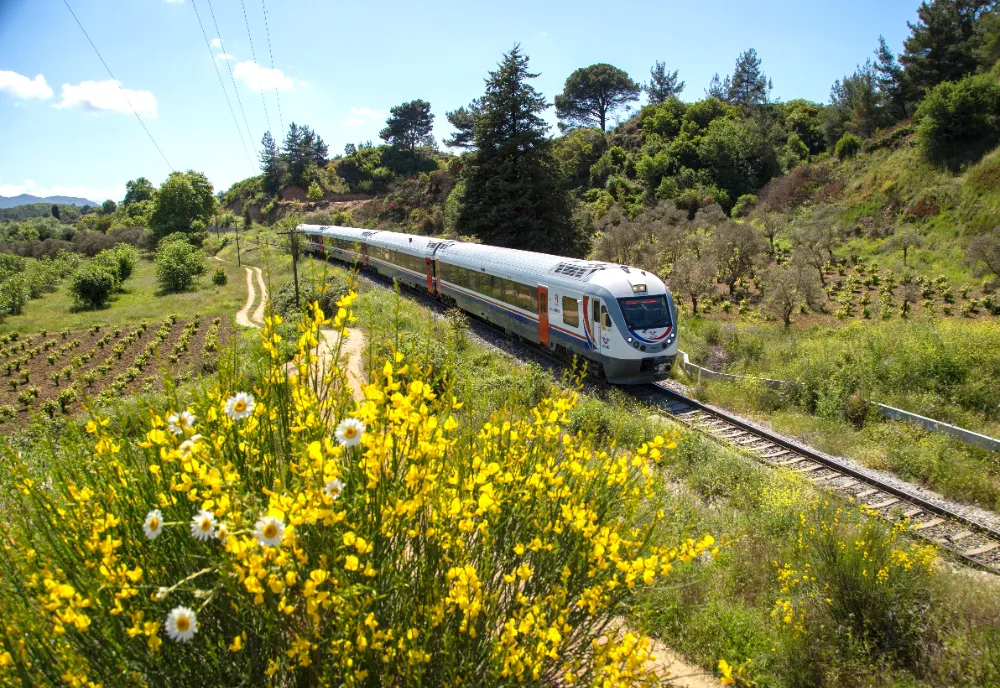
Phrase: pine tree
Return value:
(719, 89)
(513, 193)
(663, 84)
(592, 93)
(270, 164)
(464, 120)
(303, 148)
(892, 81)
(942, 44)
(749, 85)
(408, 125)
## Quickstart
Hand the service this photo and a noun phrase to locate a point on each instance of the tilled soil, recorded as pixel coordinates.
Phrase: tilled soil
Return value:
(188, 362)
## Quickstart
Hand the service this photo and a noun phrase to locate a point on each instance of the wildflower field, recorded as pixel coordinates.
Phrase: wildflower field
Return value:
(468, 522)
(273, 530)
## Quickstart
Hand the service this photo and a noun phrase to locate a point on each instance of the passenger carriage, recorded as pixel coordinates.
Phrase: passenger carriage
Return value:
(620, 319)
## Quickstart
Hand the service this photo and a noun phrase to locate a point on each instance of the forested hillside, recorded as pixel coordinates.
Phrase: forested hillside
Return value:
(649, 173)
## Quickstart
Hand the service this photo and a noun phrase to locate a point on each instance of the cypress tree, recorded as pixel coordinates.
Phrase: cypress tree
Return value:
(513, 196)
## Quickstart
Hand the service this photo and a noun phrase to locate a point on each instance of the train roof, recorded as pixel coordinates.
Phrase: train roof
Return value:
(567, 272)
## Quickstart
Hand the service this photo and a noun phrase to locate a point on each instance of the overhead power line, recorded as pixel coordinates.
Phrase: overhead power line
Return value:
(211, 54)
(270, 51)
(124, 95)
(232, 78)
(253, 54)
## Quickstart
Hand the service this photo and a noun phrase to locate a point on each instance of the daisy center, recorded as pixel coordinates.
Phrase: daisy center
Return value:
(206, 525)
(270, 530)
(240, 406)
(154, 524)
(183, 623)
(350, 431)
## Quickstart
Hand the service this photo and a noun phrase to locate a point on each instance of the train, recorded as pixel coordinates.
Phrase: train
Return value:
(620, 319)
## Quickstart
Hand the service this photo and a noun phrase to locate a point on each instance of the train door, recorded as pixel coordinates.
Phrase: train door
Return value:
(364, 253)
(596, 319)
(543, 315)
(428, 265)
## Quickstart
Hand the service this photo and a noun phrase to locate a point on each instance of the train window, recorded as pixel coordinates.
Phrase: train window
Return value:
(596, 315)
(509, 292)
(571, 311)
(647, 312)
(524, 296)
(495, 287)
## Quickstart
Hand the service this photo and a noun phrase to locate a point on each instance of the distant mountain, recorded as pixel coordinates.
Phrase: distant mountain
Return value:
(25, 199)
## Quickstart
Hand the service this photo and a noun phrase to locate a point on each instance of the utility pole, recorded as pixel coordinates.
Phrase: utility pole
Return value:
(238, 263)
(292, 235)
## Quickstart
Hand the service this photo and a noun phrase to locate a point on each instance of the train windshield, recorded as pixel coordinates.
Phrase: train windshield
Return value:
(646, 312)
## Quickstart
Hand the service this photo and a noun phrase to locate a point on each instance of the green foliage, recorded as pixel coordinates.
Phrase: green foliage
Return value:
(315, 192)
(178, 265)
(409, 125)
(942, 43)
(513, 193)
(959, 121)
(848, 146)
(372, 169)
(183, 199)
(138, 190)
(592, 93)
(662, 85)
(120, 261)
(220, 278)
(302, 152)
(93, 285)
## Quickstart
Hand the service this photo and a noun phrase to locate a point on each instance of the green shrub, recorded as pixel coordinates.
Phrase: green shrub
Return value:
(959, 120)
(220, 278)
(120, 261)
(92, 286)
(848, 146)
(178, 265)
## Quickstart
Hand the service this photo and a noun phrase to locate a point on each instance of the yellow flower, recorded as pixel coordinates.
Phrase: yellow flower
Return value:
(351, 563)
(727, 673)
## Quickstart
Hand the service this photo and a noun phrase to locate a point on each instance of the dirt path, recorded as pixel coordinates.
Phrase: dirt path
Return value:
(351, 353)
(258, 315)
(241, 316)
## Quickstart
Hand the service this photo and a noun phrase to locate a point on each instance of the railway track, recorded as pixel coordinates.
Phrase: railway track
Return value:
(973, 543)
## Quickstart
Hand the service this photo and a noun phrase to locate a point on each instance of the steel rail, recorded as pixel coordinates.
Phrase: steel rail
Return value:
(930, 521)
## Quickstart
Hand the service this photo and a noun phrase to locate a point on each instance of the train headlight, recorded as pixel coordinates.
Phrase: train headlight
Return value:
(629, 340)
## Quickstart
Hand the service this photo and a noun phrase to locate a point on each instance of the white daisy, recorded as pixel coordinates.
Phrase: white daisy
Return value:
(153, 524)
(187, 446)
(203, 525)
(182, 624)
(349, 432)
(240, 405)
(333, 488)
(162, 592)
(179, 422)
(269, 531)
(222, 532)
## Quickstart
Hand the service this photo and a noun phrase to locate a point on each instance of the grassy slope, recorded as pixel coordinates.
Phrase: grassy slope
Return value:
(722, 608)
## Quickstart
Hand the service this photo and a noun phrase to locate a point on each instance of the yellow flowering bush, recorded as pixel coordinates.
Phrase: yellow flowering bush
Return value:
(289, 534)
(859, 573)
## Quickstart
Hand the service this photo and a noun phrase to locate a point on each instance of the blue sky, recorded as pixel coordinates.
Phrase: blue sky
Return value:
(340, 66)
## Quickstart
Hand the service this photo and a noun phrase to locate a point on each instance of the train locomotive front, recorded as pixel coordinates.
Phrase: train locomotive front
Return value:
(620, 319)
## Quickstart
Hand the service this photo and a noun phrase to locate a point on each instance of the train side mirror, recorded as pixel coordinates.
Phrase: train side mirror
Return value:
(605, 318)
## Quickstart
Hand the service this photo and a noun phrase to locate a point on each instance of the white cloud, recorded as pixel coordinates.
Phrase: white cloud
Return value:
(106, 95)
(22, 87)
(216, 42)
(92, 193)
(361, 116)
(261, 78)
(224, 56)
